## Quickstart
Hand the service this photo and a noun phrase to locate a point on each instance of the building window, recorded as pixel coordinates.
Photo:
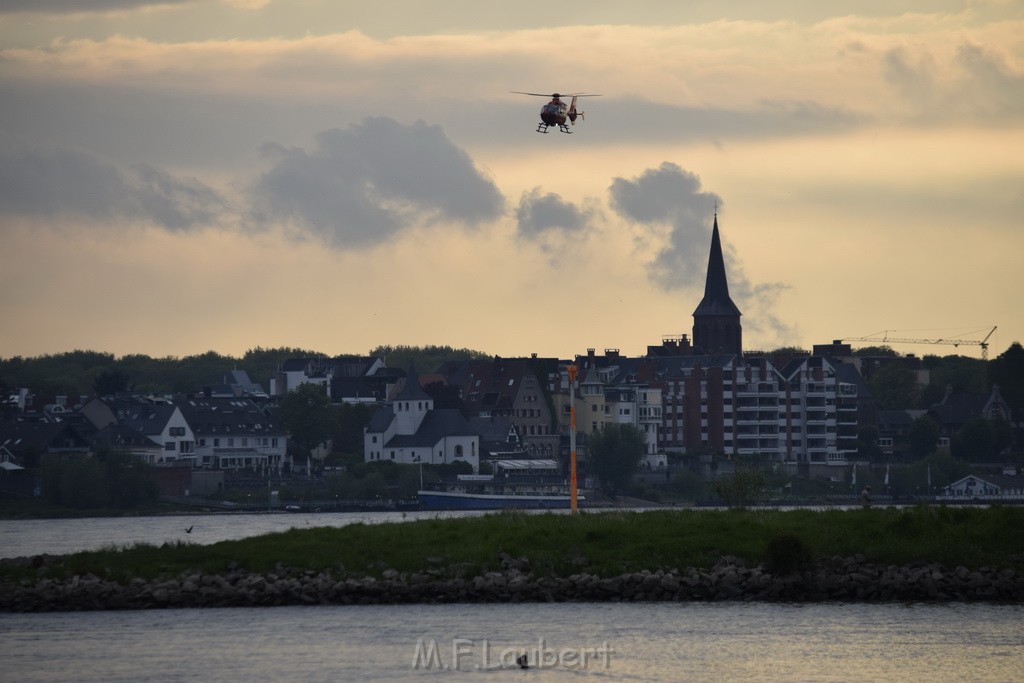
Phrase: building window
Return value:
(458, 451)
(169, 446)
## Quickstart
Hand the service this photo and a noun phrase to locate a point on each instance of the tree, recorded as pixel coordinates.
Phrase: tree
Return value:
(306, 416)
(876, 351)
(109, 381)
(923, 437)
(893, 386)
(424, 357)
(444, 395)
(976, 441)
(130, 483)
(867, 443)
(1007, 370)
(966, 375)
(110, 480)
(615, 453)
(349, 422)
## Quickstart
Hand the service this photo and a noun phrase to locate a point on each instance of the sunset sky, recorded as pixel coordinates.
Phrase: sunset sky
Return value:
(184, 176)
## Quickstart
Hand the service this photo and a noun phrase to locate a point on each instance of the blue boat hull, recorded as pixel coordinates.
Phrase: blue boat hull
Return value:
(443, 500)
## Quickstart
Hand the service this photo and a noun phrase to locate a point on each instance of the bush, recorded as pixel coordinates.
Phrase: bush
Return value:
(741, 488)
(788, 554)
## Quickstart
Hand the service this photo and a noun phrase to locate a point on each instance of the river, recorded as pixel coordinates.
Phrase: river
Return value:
(564, 642)
(24, 537)
(631, 642)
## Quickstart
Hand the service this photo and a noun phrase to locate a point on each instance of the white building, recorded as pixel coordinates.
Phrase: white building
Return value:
(411, 431)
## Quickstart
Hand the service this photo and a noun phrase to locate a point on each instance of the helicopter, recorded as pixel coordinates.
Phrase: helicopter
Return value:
(557, 111)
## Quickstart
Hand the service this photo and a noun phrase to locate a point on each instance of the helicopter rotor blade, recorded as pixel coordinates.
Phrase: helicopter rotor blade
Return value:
(545, 94)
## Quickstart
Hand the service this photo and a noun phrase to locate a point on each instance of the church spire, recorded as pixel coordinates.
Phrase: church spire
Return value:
(716, 321)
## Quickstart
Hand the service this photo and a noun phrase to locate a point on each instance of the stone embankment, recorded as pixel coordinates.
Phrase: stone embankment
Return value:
(837, 579)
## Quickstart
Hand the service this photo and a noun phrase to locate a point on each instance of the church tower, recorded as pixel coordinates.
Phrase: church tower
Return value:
(411, 405)
(716, 321)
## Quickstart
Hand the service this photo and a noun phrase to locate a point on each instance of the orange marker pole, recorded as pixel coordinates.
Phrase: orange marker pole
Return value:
(573, 496)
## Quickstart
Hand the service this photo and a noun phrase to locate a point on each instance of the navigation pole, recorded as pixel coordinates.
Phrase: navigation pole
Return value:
(572, 439)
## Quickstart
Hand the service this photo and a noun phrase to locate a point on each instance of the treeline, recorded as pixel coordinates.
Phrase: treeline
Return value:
(894, 386)
(89, 372)
(111, 480)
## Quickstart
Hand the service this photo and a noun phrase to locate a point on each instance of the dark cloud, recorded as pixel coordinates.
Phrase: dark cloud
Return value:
(48, 181)
(362, 185)
(673, 196)
(984, 87)
(78, 6)
(1002, 88)
(539, 214)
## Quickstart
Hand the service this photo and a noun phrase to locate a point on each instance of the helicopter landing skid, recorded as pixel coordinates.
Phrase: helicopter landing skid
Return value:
(543, 128)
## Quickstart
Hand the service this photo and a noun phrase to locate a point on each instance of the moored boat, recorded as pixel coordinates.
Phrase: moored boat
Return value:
(518, 484)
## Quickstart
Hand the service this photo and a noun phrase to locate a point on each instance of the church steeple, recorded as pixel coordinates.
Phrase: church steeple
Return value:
(412, 404)
(716, 320)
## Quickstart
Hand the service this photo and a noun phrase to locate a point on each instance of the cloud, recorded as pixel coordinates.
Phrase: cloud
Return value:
(361, 186)
(669, 194)
(81, 6)
(757, 302)
(539, 214)
(49, 181)
(974, 84)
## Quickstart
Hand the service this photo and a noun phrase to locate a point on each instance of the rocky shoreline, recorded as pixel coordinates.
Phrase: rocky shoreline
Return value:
(833, 580)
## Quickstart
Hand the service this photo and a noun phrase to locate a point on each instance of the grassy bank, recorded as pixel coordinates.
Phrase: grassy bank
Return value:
(607, 543)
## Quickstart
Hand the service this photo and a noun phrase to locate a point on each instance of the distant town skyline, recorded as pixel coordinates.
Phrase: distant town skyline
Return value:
(179, 177)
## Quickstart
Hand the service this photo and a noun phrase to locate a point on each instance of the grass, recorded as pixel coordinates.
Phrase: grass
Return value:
(604, 543)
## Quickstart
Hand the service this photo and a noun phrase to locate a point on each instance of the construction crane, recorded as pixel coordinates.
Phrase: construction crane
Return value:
(884, 338)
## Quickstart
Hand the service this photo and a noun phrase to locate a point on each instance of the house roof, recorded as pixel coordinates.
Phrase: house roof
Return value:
(894, 418)
(436, 425)
(497, 433)
(381, 419)
(19, 437)
(998, 481)
(240, 379)
(227, 416)
(667, 368)
(124, 436)
(960, 408)
(493, 384)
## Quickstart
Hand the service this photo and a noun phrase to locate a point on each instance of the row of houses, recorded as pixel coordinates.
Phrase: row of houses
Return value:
(196, 432)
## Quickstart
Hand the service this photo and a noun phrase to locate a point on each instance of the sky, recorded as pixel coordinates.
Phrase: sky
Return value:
(184, 176)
